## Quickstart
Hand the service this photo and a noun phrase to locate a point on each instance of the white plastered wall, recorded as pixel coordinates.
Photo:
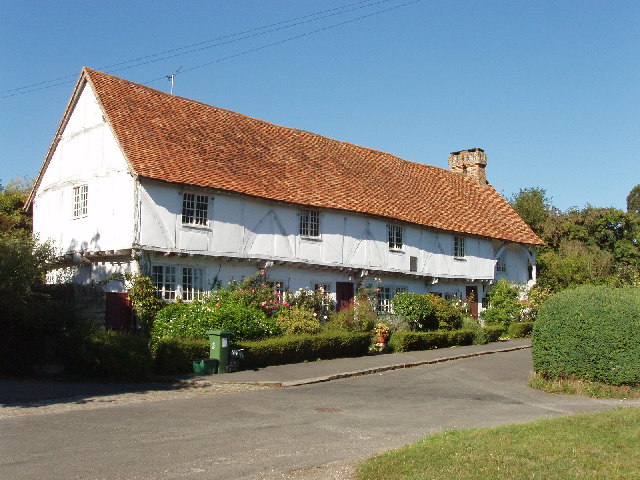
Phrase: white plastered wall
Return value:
(246, 228)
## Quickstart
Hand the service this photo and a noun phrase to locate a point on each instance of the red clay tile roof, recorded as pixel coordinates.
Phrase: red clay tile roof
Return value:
(178, 140)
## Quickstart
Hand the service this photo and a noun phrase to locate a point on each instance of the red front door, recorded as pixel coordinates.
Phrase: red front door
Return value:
(472, 301)
(344, 295)
(119, 313)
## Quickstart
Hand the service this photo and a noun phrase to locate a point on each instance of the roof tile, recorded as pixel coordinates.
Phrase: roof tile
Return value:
(179, 140)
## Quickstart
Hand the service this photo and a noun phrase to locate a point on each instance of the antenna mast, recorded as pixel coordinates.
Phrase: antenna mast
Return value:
(171, 77)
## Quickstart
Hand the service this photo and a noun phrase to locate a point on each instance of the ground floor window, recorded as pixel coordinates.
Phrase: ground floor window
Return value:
(278, 289)
(185, 283)
(165, 281)
(385, 295)
(192, 284)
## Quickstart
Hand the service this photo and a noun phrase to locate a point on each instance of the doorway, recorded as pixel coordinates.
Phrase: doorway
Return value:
(344, 295)
(472, 295)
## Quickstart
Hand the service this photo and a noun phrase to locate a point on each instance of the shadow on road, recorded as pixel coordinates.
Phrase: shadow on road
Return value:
(30, 393)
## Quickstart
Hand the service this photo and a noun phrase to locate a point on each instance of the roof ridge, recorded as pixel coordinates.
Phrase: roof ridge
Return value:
(261, 121)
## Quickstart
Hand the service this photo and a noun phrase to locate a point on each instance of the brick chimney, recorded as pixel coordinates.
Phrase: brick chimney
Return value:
(471, 163)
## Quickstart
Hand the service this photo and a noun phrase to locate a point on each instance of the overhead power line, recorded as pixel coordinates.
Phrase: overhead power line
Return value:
(287, 39)
(163, 54)
(179, 51)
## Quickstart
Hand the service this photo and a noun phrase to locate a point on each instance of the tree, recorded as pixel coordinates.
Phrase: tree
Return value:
(573, 264)
(12, 198)
(533, 206)
(633, 200)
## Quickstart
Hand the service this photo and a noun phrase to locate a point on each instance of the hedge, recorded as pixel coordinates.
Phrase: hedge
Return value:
(176, 355)
(520, 330)
(108, 354)
(301, 348)
(407, 341)
(591, 332)
(493, 333)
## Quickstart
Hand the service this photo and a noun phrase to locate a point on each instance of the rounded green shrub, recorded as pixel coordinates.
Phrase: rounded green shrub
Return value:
(419, 310)
(504, 304)
(297, 320)
(592, 332)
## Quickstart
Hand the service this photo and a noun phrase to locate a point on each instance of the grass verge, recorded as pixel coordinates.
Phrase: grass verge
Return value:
(584, 388)
(593, 446)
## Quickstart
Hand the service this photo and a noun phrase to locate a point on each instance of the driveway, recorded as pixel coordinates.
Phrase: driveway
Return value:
(311, 431)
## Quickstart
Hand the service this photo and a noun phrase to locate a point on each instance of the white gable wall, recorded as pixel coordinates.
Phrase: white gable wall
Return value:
(86, 154)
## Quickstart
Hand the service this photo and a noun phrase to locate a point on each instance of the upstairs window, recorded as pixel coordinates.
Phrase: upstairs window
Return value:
(192, 284)
(309, 223)
(395, 237)
(164, 279)
(195, 209)
(80, 201)
(458, 247)
(501, 265)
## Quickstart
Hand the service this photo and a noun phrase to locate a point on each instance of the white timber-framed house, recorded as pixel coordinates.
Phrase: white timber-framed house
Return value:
(138, 180)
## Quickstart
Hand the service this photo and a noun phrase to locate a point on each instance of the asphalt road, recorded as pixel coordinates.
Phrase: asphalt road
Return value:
(267, 433)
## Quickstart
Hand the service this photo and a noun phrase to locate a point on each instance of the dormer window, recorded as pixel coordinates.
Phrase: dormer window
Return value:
(80, 201)
(309, 223)
(459, 250)
(395, 237)
(195, 209)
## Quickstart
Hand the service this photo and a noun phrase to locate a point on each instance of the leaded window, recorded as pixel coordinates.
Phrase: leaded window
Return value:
(192, 284)
(195, 209)
(459, 247)
(80, 201)
(395, 237)
(165, 281)
(309, 223)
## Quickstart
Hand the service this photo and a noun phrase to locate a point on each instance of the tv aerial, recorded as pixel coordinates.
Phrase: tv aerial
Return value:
(172, 76)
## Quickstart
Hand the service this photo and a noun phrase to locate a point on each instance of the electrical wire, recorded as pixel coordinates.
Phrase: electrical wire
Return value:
(64, 80)
(177, 49)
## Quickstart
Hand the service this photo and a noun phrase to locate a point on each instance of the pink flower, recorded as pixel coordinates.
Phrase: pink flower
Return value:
(218, 304)
(286, 304)
(264, 304)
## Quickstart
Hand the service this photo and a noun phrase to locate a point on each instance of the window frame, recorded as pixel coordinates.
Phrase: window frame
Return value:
(192, 289)
(501, 264)
(383, 300)
(195, 209)
(80, 201)
(395, 237)
(459, 247)
(161, 276)
(309, 226)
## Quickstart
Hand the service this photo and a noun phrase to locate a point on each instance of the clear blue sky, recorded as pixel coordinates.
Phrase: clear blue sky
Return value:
(550, 90)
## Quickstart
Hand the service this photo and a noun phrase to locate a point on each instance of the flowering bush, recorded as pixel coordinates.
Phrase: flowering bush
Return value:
(381, 329)
(359, 317)
(315, 300)
(248, 308)
(536, 296)
(255, 291)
